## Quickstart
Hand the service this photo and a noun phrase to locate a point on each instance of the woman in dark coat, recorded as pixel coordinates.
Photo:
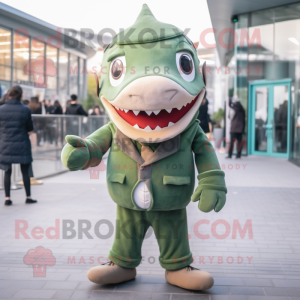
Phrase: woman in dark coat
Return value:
(57, 108)
(204, 117)
(15, 147)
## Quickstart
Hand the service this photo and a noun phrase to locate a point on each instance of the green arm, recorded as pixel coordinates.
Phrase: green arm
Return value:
(211, 190)
(80, 154)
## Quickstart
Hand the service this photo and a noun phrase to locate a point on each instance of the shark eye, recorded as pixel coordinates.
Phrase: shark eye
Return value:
(117, 70)
(185, 65)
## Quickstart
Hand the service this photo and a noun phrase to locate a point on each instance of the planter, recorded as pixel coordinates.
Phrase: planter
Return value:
(218, 135)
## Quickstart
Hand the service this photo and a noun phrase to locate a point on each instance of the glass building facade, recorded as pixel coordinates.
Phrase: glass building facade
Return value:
(42, 70)
(266, 77)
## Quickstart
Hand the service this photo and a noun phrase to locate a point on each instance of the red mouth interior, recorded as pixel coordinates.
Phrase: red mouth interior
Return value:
(162, 119)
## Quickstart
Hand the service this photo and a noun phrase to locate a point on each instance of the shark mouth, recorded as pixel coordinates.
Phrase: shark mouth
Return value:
(155, 120)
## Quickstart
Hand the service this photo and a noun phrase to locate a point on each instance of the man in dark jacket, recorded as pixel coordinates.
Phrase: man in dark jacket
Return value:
(237, 126)
(74, 108)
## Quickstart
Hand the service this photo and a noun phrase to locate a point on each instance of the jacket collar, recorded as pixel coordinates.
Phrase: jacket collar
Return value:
(164, 149)
(12, 101)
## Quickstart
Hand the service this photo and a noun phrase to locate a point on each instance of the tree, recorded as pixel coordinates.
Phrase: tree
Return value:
(92, 98)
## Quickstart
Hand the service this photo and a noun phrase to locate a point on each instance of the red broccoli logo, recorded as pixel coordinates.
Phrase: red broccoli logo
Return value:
(39, 258)
(40, 68)
(94, 171)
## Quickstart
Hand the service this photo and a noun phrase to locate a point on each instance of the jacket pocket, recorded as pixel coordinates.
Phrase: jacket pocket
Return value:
(116, 177)
(177, 180)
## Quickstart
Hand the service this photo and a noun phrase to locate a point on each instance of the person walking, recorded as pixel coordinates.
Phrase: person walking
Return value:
(15, 148)
(75, 108)
(48, 107)
(204, 118)
(96, 111)
(35, 106)
(57, 109)
(237, 126)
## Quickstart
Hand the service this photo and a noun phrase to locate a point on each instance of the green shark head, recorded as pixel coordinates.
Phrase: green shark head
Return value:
(151, 86)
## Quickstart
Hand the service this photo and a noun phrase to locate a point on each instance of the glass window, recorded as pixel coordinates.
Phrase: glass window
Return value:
(272, 53)
(63, 77)
(262, 17)
(63, 97)
(51, 67)
(81, 78)
(21, 57)
(38, 56)
(243, 21)
(5, 85)
(20, 75)
(287, 65)
(280, 118)
(73, 74)
(51, 95)
(5, 47)
(5, 73)
(295, 127)
(63, 65)
(37, 49)
(261, 118)
(287, 13)
(261, 52)
(287, 41)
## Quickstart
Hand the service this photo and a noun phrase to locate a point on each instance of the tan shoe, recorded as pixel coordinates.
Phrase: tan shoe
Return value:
(190, 278)
(33, 181)
(110, 273)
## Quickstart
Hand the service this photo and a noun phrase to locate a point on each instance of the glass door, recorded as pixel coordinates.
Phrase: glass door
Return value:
(261, 96)
(269, 111)
(280, 119)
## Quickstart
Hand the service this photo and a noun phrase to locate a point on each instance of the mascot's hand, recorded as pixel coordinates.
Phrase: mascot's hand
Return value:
(209, 199)
(75, 154)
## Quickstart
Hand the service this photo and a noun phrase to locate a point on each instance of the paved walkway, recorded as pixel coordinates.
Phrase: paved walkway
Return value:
(264, 265)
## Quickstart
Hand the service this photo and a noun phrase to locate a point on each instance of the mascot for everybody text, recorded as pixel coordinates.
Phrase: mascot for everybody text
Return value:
(152, 92)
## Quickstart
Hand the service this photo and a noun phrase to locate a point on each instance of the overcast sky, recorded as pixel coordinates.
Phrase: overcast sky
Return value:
(117, 14)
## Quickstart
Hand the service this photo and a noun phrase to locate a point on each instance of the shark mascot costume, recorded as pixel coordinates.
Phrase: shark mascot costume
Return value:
(152, 91)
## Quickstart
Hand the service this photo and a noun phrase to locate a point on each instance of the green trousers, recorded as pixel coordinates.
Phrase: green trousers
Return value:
(170, 229)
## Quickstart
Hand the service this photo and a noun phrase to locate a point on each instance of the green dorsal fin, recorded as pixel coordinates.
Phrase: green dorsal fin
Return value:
(145, 12)
(146, 29)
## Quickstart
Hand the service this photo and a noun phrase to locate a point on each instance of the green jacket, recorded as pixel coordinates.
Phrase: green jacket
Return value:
(169, 173)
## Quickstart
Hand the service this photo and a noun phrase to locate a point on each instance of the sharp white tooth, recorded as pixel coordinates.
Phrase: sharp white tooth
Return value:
(148, 112)
(136, 126)
(179, 108)
(148, 128)
(156, 111)
(136, 112)
(169, 110)
(121, 109)
(126, 110)
(157, 128)
(170, 124)
(117, 108)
